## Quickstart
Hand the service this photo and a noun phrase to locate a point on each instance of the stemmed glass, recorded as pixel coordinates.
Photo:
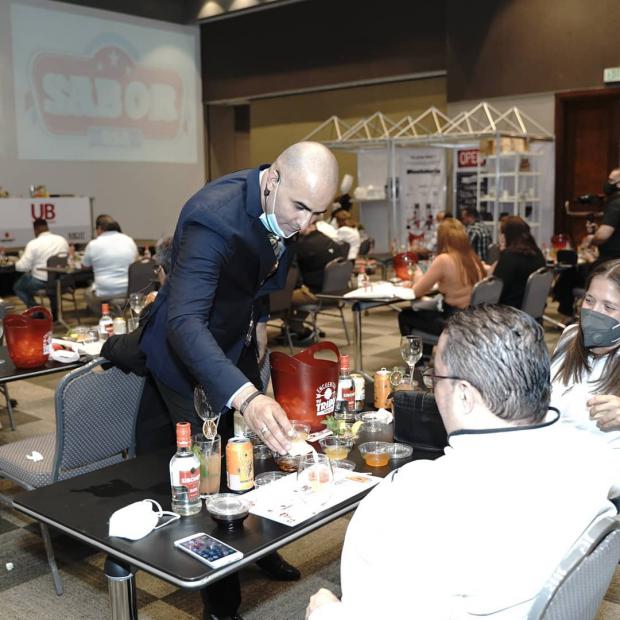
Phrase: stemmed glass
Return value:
(136, 301)
(411, 352)
(205, 413)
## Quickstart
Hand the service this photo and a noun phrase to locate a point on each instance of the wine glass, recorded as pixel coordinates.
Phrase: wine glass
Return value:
(205, 413)
(315, 479)
(136, 301)
(411, 352)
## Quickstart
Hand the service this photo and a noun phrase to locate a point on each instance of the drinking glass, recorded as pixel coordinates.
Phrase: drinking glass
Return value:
(136, 301)
(315, 479)
(205, 413)
(411, 352)
(209, 453)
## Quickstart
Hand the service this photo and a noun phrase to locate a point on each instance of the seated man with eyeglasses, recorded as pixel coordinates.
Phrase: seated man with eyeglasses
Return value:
(478, 531)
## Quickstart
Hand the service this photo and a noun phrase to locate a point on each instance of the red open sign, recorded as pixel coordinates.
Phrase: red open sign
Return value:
(468, 158)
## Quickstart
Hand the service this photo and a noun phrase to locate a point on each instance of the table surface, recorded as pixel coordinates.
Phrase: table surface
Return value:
(82, 506)
(8, 372)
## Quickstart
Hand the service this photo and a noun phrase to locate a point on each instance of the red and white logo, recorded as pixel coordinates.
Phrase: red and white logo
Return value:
(325, 398)
(108, 90)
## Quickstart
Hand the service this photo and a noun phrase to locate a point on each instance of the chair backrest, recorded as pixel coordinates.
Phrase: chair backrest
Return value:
(96, 411)
(486, 291)
(142, 276)
(279, 301)
(57, 260)
(576, 588)
(537, 290)
(365, 247)
(337, 275)
(493, 253)
(567, 257)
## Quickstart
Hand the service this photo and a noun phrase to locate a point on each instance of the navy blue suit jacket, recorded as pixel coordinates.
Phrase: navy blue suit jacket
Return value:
(221, 261)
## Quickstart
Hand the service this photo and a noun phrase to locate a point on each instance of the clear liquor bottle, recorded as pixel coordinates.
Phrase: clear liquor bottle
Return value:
(106, 323)
(185, 474)
(345, 394)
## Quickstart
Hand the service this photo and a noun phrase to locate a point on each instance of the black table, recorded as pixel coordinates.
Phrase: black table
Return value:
(82, 506)
(9, 373)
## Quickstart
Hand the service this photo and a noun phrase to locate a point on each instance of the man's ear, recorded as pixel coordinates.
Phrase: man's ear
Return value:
(466, 396)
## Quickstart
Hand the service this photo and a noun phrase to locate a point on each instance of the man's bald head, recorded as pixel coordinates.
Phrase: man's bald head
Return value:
(305, 176)
(310, 164)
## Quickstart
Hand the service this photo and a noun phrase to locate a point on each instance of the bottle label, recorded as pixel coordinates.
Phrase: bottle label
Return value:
(190, 479)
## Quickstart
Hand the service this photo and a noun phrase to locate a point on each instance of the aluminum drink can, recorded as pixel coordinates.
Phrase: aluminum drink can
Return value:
(239, 464)
(119, 326)
(360, 391)
(382, 389)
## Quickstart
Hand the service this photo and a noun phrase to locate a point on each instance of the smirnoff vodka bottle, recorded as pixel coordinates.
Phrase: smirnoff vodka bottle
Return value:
(185, 474)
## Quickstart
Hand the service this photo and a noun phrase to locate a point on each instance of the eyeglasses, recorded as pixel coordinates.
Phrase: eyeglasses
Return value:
(430, 378)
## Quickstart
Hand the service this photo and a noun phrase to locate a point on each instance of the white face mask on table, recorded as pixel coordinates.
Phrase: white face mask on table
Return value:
(137, 520)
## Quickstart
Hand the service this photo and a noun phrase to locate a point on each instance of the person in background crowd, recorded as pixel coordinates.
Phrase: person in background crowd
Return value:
(230, 249)
(110, 255)
(313, 251)
(348, 232)
(516, 518)
(607, 236)
(34, 261)
(520, 257)
(454, 270)
(585, 368)
(477, 232)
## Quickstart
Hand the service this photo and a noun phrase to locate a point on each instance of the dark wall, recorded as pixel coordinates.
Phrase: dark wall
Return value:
(319, 43)
(504, 47)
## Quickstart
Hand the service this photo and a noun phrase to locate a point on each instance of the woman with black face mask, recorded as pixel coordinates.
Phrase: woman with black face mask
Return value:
(585, 370)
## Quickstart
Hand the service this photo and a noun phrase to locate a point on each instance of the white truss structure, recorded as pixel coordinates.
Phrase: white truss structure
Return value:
(482, 121)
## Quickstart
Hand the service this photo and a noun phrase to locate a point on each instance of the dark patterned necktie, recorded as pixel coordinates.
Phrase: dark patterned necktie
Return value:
(274, 240)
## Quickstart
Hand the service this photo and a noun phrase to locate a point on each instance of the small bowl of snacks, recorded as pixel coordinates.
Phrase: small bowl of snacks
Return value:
(227, 510)
(287, 462)
(376, 453)
(336, 448)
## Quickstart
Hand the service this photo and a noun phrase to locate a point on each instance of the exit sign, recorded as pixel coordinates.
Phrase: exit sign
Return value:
(611, 74)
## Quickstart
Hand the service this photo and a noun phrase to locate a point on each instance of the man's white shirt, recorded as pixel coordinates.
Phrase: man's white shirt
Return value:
(37, 251)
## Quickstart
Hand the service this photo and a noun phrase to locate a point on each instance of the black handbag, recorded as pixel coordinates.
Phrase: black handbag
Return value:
(417, 421)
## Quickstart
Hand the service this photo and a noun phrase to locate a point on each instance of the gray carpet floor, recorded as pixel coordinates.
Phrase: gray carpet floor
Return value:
(27, 592)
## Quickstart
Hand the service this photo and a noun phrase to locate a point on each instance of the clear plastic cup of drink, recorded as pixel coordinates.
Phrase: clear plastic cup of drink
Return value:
(209, 453)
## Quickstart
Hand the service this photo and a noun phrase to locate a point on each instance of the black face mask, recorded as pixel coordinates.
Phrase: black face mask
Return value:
(599, 330)
(609, 188)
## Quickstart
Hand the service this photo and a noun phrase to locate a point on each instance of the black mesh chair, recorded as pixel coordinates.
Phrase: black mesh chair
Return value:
(67, 284)
(96, 411)
(486, 291)
(537, 290)
(336, 279)
(142, 276)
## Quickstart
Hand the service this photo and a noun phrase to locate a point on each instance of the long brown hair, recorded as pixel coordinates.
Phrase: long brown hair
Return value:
(518, 236)
(575, 361)
(452, 239)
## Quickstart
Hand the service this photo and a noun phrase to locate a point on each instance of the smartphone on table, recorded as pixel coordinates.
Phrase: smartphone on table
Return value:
(207, 549)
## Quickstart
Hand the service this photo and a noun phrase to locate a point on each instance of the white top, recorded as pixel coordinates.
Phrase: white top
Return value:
(37, 252)
(352, 237)
(110, 255)
(476, 532)
(327, 229)
(570, 400)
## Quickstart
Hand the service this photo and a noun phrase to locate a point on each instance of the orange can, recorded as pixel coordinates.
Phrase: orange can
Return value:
(239, 464)
(382, 389)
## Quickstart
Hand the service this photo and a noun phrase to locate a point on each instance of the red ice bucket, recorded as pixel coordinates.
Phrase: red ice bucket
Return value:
(306, 386)
(29, 337)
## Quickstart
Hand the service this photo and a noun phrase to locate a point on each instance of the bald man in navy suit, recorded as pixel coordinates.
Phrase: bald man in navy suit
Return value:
(230, 248)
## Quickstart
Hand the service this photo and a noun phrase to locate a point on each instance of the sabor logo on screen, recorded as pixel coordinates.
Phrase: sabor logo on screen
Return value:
(105, 92)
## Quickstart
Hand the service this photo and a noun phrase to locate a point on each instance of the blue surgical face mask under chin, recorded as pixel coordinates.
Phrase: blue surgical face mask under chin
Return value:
(599, 330)
(270, 221)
